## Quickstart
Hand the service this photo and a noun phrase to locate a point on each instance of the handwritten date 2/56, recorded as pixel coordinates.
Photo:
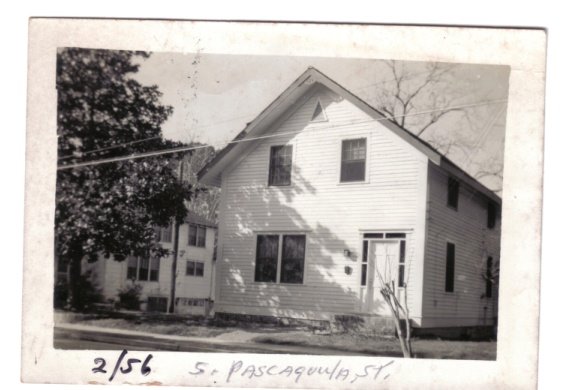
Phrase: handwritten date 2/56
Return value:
(101, 365)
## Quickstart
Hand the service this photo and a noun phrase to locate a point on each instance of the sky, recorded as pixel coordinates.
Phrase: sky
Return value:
(214, 96)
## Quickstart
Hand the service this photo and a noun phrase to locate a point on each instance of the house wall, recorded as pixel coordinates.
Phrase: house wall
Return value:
(333, 215)
(112, 275)
(465, 227)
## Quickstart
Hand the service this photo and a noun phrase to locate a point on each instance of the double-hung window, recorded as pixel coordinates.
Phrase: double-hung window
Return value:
(353, 157)
(197, 236)
(280, 165)
(144, 269)
(285, 265)
(194, 268)
(164, 234)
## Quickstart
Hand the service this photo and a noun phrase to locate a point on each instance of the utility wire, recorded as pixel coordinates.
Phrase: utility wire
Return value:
(187, 148)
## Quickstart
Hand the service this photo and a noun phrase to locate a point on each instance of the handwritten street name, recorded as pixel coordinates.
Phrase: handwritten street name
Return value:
(335, 372)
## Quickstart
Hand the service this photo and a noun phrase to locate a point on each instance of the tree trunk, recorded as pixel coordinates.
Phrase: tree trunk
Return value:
(74, 279)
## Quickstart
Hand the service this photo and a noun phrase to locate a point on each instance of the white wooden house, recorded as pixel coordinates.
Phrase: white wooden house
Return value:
(328, 197)
(194, 272)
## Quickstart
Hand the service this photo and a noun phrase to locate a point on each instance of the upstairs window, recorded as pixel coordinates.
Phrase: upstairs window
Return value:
(164, 234)
(491, 214)
(450, 268)
(280, 165)
(196, 236)
(353, 155)
(452, 193)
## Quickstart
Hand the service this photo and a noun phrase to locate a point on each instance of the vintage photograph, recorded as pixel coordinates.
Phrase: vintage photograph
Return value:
(278, 204)
(282, 205)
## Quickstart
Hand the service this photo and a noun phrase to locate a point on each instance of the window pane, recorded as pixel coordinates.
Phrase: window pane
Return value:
(280, 165)
(132, 267)
(491, 212)
(450, 268)
(201, 237)
(353, 154)
(199, 269)
(364, 252)
(266, 258)
(401, 276)
(363, 274)
(190, 268)
(395, 235)
(144, 266)
(373, 235)
(488, 278)
(293, 256)
(452, 192)
(167, 234)
(402, 251)
(155, 269)
(192, 234)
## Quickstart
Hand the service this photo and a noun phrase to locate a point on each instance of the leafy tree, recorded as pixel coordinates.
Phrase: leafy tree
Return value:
(110, 208)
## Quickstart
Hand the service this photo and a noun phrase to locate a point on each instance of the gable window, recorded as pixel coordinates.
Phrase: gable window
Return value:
(195, 268)
(197, 236)
(452, 193)
(318, 114)
(353, 153)
(450, 268)
(286, 265)
(144, 269)
(491, 214)
(280, 165)
(489, 278)
(163, 234)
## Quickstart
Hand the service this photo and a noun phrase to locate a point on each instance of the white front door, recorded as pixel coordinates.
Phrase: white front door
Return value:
(383, 264)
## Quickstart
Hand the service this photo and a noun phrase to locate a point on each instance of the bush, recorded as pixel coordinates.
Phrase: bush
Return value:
(129, 297)
(61, 294)
(88, 293)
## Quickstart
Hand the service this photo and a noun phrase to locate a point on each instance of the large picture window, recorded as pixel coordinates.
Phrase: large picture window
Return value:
(286, 265)
(280, 165)
(353, 156)
(144, 269)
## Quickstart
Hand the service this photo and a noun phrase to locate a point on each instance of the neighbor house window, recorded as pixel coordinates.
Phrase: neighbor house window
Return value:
(353, 155)
(143, 269)
(164, 234)
(195, 268)
(491, 214)
(489, 278)
(280, 165)
(286, 265)
(197, 236)
(452, 193)
(450, 268)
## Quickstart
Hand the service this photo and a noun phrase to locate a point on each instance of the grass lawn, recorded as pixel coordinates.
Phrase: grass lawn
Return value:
(381, 346)
(273, 334)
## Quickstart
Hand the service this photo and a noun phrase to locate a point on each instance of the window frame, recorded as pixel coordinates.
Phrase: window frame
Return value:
(452, 182)
(279, 257)
(197, 227)
(195, 268)
(366, 161)
(150, 262)
(324, 115)
(491, 214)
(450, 268)
(270, 164)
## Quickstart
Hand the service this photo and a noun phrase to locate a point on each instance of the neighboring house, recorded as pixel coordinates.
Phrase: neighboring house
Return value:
(194, 276)
(330, 197)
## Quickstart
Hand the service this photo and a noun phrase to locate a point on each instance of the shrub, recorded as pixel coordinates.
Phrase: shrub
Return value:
(129, 297)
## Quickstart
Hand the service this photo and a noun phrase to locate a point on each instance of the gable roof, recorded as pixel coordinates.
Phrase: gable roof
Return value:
(211, 173)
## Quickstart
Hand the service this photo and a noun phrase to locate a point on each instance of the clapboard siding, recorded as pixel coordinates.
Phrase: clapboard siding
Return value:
(112, 275)
(465, 227)
(331, 214)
